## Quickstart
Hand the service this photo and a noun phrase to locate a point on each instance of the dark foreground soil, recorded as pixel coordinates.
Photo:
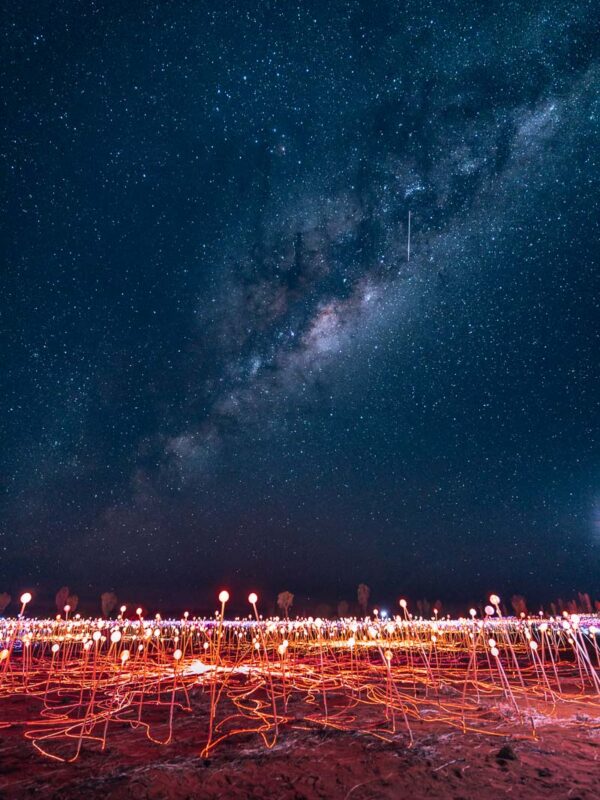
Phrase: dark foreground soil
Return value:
(564, 762)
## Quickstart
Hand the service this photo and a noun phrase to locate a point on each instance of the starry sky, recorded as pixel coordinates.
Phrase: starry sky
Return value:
(220, 365)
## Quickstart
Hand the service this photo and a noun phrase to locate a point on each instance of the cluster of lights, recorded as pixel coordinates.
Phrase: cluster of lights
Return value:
(118, 670)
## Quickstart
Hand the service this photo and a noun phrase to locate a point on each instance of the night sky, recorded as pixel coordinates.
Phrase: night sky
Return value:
(219, 365)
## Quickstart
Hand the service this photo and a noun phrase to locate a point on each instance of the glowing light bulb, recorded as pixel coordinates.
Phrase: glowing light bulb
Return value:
(223, 596)
(26, 598)
(252, 598)
(494, 599)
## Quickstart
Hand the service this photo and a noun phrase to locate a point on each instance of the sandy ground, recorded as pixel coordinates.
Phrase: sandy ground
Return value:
(564, 762)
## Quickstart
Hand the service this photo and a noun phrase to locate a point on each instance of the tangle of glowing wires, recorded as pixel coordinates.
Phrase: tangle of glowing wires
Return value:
(81, 678)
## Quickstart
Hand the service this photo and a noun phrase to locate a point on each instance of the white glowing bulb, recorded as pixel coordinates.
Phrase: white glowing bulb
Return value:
(223, 596)
(26, 598)
(252, 598)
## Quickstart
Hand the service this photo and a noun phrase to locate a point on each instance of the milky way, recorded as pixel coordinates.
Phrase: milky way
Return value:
(219, 358)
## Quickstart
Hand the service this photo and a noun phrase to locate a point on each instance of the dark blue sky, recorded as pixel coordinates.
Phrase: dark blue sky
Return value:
(218, 364)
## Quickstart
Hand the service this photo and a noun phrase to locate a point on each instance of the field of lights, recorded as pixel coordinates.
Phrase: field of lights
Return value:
(80, 679)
